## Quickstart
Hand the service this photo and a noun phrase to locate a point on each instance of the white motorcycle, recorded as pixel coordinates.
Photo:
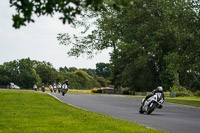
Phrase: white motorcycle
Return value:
(64, 89)
(151, 103)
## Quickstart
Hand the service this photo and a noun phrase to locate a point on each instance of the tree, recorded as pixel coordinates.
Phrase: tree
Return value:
(160, 39)
(91, 72)
(27, 74)
(48, 74)
(68, 8)
(103, 70)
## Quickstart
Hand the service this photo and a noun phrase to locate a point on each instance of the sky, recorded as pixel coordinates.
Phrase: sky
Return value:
(38, 41)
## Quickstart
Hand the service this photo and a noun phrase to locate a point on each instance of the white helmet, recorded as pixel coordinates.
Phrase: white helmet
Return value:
(160, 88)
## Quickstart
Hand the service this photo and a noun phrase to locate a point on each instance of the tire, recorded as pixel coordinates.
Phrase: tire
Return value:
(151, 107)
(63, 93)
(140, 111)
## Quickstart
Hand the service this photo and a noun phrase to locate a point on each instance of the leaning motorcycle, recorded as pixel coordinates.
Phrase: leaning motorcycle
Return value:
(64, 89)
(151, 103)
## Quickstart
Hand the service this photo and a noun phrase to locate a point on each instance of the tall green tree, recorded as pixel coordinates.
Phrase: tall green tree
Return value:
(103, 70)
(48, 74)
(27, 74)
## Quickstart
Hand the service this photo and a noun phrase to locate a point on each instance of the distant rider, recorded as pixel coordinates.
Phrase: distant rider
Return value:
(43, 87)
(51, 88)
(54, 87)
(59, 87)
(35, 87)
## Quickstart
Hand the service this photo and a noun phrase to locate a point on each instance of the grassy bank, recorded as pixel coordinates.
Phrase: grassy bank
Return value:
(23, 112)
(191, 101)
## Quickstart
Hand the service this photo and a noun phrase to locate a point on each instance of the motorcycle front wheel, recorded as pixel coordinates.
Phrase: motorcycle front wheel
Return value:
(140, 110)
(151, 107)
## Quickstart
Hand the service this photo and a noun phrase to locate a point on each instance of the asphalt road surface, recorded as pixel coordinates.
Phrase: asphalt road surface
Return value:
(172, 118)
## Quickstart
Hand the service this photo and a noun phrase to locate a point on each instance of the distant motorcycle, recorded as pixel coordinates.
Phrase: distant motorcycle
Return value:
(64, 89)
(51, 89)
(43, 88)
(151, 103)
(59, 90)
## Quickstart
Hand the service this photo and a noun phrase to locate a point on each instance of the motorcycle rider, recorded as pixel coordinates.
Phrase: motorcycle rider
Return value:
(35, 87)
(54, 87)
(51, 88)
(65, 83)
(43, 87)
(159, 89)
(59, 87)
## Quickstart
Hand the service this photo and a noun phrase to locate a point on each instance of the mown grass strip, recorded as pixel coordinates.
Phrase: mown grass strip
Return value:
(191, 101)
(23, 112)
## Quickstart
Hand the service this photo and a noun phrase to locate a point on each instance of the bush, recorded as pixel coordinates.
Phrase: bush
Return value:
(183, 94)
(102, 81)
(81, 80)
(197, 93)
(176, 88)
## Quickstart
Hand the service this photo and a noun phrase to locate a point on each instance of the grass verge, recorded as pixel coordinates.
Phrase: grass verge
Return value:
(23, 112)
(191, 101)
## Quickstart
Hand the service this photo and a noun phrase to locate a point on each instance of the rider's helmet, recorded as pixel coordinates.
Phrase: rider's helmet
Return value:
(159, 88)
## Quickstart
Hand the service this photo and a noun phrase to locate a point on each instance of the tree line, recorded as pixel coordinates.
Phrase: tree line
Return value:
(26, 72)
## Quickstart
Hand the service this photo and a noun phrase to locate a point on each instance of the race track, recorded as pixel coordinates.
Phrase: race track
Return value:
(172, 118)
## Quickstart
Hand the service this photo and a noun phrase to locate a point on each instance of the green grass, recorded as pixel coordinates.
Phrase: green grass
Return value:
(29, 112)
(191, 101)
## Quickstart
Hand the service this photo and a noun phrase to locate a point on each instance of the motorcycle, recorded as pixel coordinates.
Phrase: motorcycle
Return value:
(43, 88)
(151, 103)
(59, 90)
(64, 89)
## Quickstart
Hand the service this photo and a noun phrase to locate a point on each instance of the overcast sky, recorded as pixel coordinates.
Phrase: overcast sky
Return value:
(38, 41)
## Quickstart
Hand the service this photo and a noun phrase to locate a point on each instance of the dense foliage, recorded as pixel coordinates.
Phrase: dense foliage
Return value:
(26, 72)
(26, 9)
(154, 42)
